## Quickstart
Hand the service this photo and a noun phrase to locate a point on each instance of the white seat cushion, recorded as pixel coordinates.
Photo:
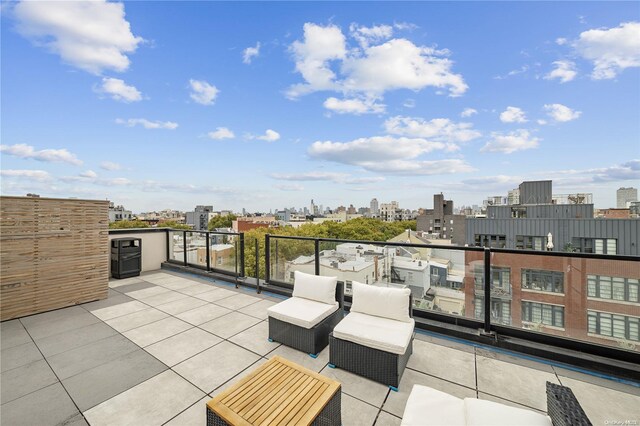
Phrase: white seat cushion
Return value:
(481, 412)
(392, 303)
(379, 333)
(302, 312)
(315, 287)
(430, 407)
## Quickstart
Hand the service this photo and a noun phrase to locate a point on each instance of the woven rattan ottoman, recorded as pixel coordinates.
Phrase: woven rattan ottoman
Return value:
(278, 392)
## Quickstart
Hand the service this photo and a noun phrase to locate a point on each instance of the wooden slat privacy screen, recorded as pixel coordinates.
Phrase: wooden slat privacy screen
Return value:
(53, 253)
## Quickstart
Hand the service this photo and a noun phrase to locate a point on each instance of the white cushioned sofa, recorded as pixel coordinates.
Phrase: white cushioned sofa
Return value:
(305, 320)
(376, 339)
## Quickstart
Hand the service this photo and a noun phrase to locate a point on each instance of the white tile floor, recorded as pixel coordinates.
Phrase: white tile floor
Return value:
(179, 340)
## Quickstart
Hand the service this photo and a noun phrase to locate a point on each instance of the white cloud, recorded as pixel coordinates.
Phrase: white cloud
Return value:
(402, 26)
(47, 155)
(269, 136)
(369, 69)
(289, 187)
(611, 50)
(367, 35)
(511, 142)
(564, 71)
(468, 112)
(90, 174)
(424, 168)
(91, 35)
(354, 106)
(541, 122)
(523, 69)
(203, 92)
(221, 133)
(250, 52)
(119, 90)
(561, 113)
(147, 124)
(513, 115)
(108, 165)
(37, 175)
(561, 41)
(327, 176)
(437, 129)
(409, 103)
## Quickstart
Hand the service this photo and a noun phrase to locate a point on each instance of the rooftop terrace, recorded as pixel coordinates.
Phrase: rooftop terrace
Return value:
(162, 344)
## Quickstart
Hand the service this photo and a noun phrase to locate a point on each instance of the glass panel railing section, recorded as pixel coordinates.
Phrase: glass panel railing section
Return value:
(589, 299)
(224, 252)
(196, 246)
(176, 246)
(289, 255)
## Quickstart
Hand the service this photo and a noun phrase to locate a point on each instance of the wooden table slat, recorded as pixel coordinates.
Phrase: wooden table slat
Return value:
(252, 404)
(245, 392)
(293, 403)
(284, 400)
(304, 409)
(275, 394)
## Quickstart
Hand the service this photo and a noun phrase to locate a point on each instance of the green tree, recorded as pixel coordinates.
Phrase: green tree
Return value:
(126, 224)
(222, 221)
(173, 224)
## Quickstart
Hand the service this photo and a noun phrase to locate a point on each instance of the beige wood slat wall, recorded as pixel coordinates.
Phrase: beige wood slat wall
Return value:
(53, 253)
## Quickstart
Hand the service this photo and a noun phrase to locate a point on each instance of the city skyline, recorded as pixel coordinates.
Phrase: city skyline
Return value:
(301, 101)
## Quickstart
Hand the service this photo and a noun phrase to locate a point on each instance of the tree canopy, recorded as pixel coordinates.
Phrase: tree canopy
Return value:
(126, 224)
(222, 221)
(173, 224)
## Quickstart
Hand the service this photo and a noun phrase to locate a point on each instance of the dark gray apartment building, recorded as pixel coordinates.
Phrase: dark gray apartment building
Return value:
(199, 218)
(572, 226)
(441, 222)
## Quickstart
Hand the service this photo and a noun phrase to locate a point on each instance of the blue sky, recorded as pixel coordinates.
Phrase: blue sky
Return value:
(265, 105)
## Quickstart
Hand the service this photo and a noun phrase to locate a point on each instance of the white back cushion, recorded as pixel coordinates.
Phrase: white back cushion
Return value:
(392, 303)
(315, 287)
(430, 407)
(482, 412)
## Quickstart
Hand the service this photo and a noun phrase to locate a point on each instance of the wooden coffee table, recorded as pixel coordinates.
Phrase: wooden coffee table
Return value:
(279, 392)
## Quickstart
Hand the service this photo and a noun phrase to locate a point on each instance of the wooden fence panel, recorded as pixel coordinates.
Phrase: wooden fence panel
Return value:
(53, 253)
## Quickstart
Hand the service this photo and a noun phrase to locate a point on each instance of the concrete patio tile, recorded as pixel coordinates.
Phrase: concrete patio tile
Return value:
(356, 412)
(25, 379)
(147, 292)
(229, 324)
(396, 401)
(523, 385)
(101, 383)
(48, 406)
(216, 365)
(258, 310)
(563, 373)
(488, 397)
(237, 378)
(359, 387)
(458, 368)
(177, 348)
(195, 289)
(72, 339)
(238, 301)
(13, 333)
(185, 304)
(114, 300)
(72, 362)
(605, 406)
(314, 364)
(203, 314)
(119, 310)
(152, 402)
(529, 362)
(47, 317)
(114, 282)
(43, 328)
(18, 356)
(255, 339)
(176, 284)
(216, 294)
(140, 285)
(196, 415)
(156, 331)
(453, 344)
(136, 319)
(166, 297)
(78, 420)
(386, 419)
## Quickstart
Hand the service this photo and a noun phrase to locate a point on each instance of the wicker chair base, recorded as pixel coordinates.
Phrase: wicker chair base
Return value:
(309, 340)
(563, 407)
(374, 364)
(331, 414)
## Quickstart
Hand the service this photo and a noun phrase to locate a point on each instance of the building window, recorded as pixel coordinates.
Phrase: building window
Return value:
(493, 241)
(613, 288)
(528, 242)
(519, 212)
(550, 281)
(541, 313)
(500, 310)
(611, 325)
(595, 245)
(500, 279)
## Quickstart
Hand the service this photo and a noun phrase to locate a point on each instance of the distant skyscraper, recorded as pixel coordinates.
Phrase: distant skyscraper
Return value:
(625, 196)
(373, 208)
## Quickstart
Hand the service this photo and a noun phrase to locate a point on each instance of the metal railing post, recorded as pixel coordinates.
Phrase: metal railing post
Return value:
(184, 245)
(317, 255)
(258, 289)
(487, 290)
(208, 253)
(242, 254)
(267, 259)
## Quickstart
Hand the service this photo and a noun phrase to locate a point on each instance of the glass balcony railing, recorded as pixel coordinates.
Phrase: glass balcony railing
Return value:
(221, 252)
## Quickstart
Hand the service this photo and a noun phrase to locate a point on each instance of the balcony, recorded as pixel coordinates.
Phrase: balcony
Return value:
(164, 343)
